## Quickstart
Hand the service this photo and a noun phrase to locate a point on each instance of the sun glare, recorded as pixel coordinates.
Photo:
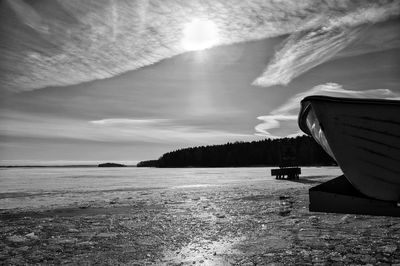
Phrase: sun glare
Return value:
(199, 34)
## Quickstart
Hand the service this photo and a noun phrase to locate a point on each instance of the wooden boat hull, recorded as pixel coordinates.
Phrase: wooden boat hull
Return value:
(363, 136)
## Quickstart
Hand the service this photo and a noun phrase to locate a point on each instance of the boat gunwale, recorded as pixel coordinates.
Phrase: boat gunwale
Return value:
(350, 100)
(306, 106)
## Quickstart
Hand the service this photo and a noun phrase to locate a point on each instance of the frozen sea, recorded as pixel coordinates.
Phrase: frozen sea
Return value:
(52, 187)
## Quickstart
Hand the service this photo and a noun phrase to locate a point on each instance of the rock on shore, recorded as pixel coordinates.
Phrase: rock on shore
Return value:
(111, 165)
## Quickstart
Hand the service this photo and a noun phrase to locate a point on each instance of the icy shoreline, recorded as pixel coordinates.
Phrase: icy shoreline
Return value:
(236, 224)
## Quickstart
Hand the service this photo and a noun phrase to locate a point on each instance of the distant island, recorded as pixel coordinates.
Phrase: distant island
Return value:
(111, 165)
(301, 151)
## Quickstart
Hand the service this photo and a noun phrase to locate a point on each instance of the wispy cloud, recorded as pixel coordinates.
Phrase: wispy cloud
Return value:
(287, 112)
(303, 51)
(128, 122)
(320, 40)
(57, 43)
(161, 130)
(272, 122)
(115, 130)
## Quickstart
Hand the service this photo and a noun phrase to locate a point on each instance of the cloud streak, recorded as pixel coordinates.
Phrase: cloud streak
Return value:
(128, 122)
(320, 40)
(115, 130)
(304, 51)
(288, 112)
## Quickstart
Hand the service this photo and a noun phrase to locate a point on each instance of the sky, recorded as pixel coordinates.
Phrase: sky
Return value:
(126, 80)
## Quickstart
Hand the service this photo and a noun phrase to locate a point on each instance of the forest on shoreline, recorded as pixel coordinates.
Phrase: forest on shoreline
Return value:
(299, 151)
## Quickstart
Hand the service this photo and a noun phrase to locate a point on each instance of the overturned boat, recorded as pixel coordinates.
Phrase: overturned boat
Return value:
(363, 136)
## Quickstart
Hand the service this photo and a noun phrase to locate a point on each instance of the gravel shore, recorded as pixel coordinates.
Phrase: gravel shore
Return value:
(247, 224)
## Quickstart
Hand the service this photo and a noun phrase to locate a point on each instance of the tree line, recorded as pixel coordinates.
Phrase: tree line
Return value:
(300, 151)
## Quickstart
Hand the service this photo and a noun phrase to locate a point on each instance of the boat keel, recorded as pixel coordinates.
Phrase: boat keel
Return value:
(339, 196)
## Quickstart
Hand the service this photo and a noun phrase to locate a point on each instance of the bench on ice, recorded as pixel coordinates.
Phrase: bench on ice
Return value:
(290, 172)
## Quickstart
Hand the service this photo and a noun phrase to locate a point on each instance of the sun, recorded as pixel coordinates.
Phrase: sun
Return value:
(199, 34)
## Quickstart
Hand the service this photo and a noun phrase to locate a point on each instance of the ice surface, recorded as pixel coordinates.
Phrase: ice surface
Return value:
(27, 188)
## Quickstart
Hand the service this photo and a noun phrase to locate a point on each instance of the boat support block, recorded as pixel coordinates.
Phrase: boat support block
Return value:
(339, 196)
